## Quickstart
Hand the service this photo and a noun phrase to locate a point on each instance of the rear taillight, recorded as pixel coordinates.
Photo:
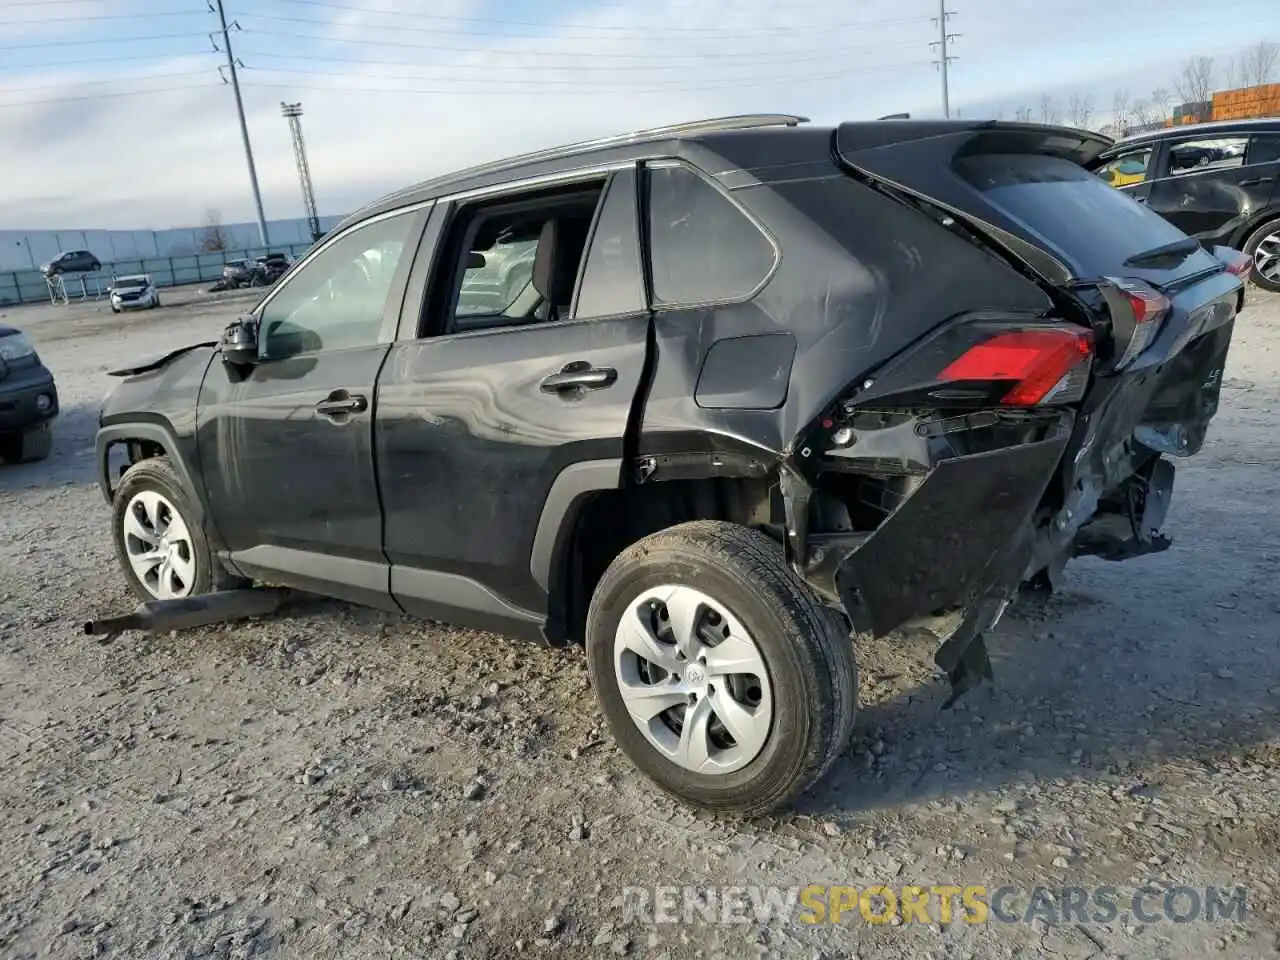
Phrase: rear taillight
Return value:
(1136, 317)
(1046, 366)
(1238, 264)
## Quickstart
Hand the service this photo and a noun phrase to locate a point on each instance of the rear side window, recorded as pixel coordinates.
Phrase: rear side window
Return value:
(1264, 149)
(702, 246)
(611, 281)
(1094, 227)
(1199, 156)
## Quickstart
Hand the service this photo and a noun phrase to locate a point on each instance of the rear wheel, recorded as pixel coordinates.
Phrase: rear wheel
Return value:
(1263, 247)
(721, 675)
(162, 549)
(28, 446)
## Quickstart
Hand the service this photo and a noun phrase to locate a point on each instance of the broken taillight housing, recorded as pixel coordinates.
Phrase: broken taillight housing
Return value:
(1047, 366)
(1136, 317)
(1238, 264)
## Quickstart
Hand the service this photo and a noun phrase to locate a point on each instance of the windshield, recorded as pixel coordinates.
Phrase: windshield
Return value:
(130, 283)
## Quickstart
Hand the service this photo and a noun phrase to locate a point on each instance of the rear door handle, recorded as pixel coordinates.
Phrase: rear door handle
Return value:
(339, 404)
(579, 376)
(1255, 181)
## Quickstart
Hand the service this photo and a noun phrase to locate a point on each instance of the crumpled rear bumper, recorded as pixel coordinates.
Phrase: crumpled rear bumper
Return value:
(962, 535)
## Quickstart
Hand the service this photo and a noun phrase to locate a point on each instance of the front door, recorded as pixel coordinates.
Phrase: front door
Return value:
(286, 445)
(1207, 186)
(532, 359)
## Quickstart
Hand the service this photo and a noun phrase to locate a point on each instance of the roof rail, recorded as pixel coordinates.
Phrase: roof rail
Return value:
(742, 122)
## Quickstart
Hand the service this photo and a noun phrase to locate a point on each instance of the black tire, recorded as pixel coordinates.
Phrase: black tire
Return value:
(1268, 229)
(156, 302)
(29, 446)
(114, 308)
(255, 281)
(806, 648)
(157, 474)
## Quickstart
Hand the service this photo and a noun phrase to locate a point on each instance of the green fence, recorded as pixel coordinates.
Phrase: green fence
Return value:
(28, 286)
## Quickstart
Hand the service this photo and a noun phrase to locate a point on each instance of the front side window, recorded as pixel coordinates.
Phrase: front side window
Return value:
(1126, 169)
(336, 301)
(1198, 156)
(702, 246)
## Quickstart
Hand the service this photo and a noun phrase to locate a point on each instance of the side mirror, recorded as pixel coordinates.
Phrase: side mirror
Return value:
(239, 342)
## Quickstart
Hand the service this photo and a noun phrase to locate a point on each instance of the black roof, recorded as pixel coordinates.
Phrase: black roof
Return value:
(1214, 128)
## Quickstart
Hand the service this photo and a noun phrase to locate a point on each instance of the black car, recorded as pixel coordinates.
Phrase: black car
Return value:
(768, 382)
(261, 272)
(73, 261)
(28, 400)
(1216, 181)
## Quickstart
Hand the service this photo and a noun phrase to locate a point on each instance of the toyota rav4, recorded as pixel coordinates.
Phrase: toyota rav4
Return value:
(766, 388)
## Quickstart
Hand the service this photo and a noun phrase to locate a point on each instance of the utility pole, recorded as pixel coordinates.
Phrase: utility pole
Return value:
(293, 112)
(244, 126)
(944, 58)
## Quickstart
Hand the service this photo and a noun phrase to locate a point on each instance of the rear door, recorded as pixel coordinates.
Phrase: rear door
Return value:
(517, 385)
(1208, 187)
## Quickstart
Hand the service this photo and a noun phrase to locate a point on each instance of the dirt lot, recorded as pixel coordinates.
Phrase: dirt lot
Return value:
(346, 783)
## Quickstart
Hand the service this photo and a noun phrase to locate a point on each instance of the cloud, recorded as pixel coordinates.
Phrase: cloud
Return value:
(450, 88)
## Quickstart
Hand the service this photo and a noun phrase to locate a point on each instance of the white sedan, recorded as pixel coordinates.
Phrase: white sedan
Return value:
(133, 293)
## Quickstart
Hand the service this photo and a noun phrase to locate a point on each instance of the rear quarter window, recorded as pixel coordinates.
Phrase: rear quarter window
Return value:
(702, 246)
(1093, 226)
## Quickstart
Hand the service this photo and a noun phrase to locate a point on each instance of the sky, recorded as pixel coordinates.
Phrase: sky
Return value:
(114, 114)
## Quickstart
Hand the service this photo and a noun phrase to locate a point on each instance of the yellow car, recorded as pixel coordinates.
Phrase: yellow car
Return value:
(1126, 169)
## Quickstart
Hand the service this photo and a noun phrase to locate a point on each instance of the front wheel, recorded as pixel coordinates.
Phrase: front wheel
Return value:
(161, 546)
(720, 673)
(1263, 247)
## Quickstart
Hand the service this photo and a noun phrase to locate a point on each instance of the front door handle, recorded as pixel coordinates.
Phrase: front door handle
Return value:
(1255, 181)
(340, 404)
(579, 376)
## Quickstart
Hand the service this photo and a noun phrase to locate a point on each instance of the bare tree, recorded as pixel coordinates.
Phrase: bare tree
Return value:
(214, 240)
(1162, 99)
(1195, 83)
(1081, 109)
(1143, 113)
(1231, 73)
(1049, 110)
(1258, 63)
(1023, 114)
(1120, 109)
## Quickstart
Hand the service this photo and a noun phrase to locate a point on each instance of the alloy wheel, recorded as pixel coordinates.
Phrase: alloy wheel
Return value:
(1266, 257)
(158, 545)
(693, 680)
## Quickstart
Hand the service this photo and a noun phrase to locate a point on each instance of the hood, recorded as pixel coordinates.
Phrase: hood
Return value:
(158, 360)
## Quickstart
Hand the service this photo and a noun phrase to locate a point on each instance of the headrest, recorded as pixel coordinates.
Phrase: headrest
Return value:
(555, 266)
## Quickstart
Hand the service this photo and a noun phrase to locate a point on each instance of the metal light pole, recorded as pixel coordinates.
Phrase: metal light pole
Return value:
(293, 113)
(244, 126)
(944, 58)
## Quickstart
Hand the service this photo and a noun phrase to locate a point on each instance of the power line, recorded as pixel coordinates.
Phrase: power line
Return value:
(115, 40)
(102, 16)
(593, 89)
(670, 62)
(108, 96)
(543, 24)
(772, 54)
(176, 55)
(94, 83)
(715, 33)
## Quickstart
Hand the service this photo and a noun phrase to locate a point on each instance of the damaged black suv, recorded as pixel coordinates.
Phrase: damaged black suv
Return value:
(762, 385)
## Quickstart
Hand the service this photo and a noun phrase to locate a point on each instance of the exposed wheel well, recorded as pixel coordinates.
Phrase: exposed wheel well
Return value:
(605, 523)
(133, 451)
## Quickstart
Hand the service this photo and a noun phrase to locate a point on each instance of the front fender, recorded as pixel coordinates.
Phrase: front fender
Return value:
(160, 434)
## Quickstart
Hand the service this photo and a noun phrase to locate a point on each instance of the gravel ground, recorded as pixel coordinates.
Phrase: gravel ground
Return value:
(346, 783)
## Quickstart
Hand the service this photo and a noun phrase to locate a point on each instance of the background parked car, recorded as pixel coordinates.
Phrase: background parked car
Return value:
(261, 272)
(28, 400)
(72, 261)
(1218, 182)
(133, 293)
